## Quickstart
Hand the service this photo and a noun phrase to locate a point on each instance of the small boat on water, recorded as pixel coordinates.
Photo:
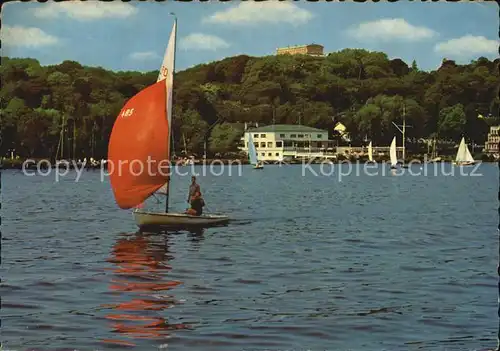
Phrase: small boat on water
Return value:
(153, 220)
(252, 154)
(464, 157)
(370, 153)
(392, 154)
(142, 133)
(394, 158)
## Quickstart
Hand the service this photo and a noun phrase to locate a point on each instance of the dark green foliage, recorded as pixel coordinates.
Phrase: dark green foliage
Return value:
(364, 90)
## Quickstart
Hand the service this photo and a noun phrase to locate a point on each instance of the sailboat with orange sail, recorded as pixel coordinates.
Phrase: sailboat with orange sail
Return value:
(139, 152)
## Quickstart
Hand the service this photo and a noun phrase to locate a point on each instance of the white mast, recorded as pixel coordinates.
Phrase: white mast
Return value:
(167, 72)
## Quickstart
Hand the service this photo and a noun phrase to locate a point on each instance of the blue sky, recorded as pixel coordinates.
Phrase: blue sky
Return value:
(133, 36)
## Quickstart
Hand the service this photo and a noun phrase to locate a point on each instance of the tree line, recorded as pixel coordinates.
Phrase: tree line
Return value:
(69, 109)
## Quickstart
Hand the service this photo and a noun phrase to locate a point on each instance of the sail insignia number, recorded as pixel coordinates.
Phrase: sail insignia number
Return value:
(127, 112)
(164, 71)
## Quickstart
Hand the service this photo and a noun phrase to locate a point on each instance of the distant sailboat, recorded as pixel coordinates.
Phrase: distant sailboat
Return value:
(392, 153)
(370, 153)
(464, 157)
(252, 154)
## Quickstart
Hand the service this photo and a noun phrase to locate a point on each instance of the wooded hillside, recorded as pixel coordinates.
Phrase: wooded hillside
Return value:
(364, 90)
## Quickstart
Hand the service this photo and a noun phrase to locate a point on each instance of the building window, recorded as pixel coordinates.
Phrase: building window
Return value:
(262, 144)
(319, 136)
(279, 144)
(282, 136)
(300, 135)
(262, 135)
(277, 154)
(293, 136)
(263, 154)
(270, 154)
(269, 144)
(256, 135)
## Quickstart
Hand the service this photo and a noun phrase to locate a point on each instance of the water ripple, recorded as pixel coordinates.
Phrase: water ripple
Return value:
(310, 263)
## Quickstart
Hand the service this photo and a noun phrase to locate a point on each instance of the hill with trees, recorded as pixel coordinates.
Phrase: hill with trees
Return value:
(364, 90)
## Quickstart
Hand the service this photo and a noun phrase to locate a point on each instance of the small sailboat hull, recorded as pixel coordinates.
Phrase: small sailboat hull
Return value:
(435, 160)
(157, 220)
(465, 163)
(258, 167)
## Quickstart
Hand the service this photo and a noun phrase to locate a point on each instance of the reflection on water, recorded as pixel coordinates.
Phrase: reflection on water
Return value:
(196, 237)
(142, 266)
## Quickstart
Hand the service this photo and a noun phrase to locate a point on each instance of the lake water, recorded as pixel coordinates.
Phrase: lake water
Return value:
(378, 262)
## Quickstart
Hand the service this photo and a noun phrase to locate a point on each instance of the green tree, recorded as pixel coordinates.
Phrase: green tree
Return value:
(225, 138)
(192, 131)
(363, 89)
(414, 67)
(452, 121)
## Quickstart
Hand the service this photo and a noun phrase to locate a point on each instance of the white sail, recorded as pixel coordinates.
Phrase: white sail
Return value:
(252, 152)
(392, 152)
(370, 152)
(463, 153)
(468, 155)
(167, 71)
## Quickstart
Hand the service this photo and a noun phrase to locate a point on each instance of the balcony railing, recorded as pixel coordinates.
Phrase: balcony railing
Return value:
(308, 149)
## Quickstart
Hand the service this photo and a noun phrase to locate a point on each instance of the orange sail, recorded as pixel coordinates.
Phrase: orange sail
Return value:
(138, 151)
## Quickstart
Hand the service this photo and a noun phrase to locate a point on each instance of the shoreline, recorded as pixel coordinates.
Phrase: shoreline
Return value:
(18, 164)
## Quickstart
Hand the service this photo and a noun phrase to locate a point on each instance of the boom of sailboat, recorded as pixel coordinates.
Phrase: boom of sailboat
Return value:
(141, 135)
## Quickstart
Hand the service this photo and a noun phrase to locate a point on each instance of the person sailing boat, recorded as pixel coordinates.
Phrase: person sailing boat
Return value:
(193, 188)
(197, 204)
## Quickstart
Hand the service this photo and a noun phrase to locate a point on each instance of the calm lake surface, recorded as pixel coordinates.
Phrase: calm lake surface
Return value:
(378, 262)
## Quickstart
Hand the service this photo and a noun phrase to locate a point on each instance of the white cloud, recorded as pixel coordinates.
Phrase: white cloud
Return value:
(468, 46)
(200, 41)
(143, 55)
(390, 29)
(254, 13)
(85, 10)
(26, 36)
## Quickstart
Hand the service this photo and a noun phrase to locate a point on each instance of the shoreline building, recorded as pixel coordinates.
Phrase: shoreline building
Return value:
(311, 50)
(491, 145)
(275, 143)
(279, 141)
